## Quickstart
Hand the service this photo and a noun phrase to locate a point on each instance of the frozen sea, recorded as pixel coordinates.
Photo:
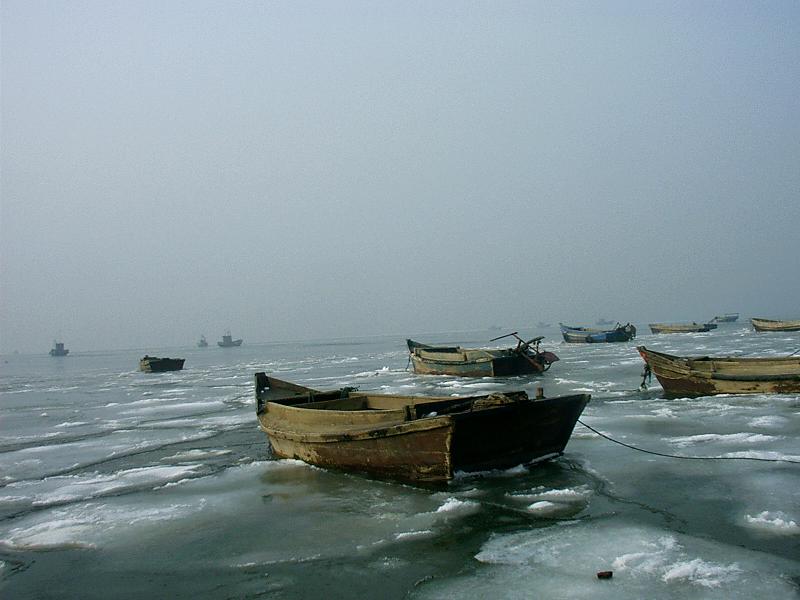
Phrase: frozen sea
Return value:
(121, 484)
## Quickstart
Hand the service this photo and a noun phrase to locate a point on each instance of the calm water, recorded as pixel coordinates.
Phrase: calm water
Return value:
(116, 483)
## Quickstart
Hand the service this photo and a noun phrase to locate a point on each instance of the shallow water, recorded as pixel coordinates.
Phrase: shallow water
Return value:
(127, 484)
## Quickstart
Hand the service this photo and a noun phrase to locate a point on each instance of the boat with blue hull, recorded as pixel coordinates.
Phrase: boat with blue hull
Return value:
(585, 335)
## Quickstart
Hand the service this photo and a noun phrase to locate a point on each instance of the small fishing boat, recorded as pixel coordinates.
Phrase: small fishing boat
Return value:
(412, 438)
(228, 341)
(58, 349)
(726, 318)
(153, 364)
(523, 359)
(203, 343)
(584, 335)
(681, 327)
(706, 376)
(771, 325)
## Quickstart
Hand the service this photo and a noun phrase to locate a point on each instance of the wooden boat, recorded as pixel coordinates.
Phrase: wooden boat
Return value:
(726, 318)
(153, 364)
(770, 325)
(523, 359)
(584, 335)
(58, 349)
(705, 376)
(203, 343)
(411, 438)
(681, 327)
(228, 341)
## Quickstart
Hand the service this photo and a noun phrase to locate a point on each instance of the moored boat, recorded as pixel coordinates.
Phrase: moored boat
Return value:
(203, 343)
(154, 364)
(523, 359)
(706, 376)
(726, 318)
(228, 341)
(585, 335)
(681, 327)
(772, 325)
(58, 349)
(412, 438)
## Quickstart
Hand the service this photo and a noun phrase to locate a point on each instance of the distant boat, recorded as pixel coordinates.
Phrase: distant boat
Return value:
(726, 318)
(771, 325)
(153, 364)
(604, 322)
(708, 375)
(412, 438)
(58, 349)
(202, 343)
(681, 327)
(480, 362)
(584, 335)
(543, 325)
(228, 341)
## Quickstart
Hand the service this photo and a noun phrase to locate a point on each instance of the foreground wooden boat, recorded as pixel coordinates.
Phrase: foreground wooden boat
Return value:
(681, 327)
(153, 364)
(524, 359)
(585, 335)
(770, 325)
(706, 376)
(411, 438)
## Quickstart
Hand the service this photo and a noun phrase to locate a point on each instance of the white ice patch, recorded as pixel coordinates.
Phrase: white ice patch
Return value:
(769, 422)
(194, 455)
(562, 561)
(555, 502)
(413, 535)
(86, 525)
(73, 488)
(701, 573)
(456, 507)
(731, 438)
(775, 523)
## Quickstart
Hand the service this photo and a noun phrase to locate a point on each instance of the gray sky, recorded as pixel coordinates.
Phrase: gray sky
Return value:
(296, 170)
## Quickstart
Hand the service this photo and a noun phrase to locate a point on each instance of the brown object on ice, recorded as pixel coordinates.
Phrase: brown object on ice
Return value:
(605, 574)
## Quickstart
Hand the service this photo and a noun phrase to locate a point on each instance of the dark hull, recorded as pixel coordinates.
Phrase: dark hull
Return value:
(497, 367)
(731, 318)
(707, 376)
(232, 344)
(476, 362)
(423, 440)
(681, 328)
(515, 434)
(161, 365)
(583, 335)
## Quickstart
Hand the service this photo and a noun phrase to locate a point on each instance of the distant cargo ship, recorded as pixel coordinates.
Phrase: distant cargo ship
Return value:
(58, 349)
(228, 341)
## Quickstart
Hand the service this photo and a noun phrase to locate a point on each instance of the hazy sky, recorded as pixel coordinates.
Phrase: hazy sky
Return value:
(295, 170)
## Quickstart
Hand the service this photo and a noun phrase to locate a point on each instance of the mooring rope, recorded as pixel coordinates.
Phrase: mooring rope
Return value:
(610, 439)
